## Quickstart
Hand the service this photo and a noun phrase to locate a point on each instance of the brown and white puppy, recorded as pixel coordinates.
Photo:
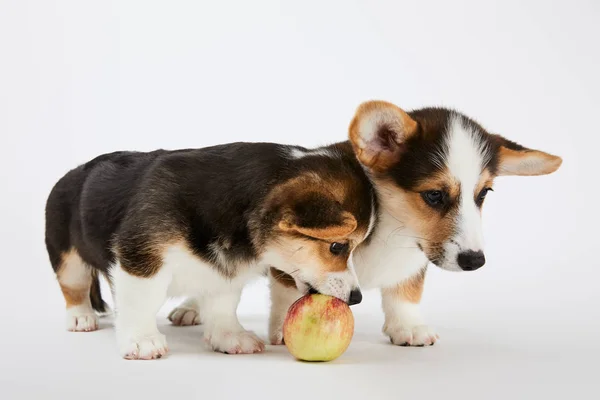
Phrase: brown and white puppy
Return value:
(202, 223)
(431, 170)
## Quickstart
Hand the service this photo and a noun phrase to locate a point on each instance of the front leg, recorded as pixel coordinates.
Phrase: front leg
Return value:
(222, 331)
(403, 321)
(138, 299)
(283, 294)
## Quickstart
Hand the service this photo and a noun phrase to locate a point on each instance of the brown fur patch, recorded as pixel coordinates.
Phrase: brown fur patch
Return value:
(74, 278)
(332, 232)
(74, 297)
(486, 179)
(526, 162)
(432, 228)
(441, 181)
(316, 206)
(142, 256)
(410, 290)
(310, 253)
(283, 278)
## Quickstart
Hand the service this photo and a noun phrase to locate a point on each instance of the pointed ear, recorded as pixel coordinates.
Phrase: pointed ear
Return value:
(340, 226)
(514, 159)
(378, 133)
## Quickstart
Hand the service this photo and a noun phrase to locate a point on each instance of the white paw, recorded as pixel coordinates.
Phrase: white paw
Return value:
(183, 316)
(420, 335)
(78, 321)
(145, 348)
(241, 342)
(276, 337)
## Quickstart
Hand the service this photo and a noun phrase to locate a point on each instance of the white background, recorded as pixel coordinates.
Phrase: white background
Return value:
(81, 78)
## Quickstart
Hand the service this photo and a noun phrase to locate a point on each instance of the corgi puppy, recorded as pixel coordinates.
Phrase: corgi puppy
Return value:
(202, 223)
(431, 170)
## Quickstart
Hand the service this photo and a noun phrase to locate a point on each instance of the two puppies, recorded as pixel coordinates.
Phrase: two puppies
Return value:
(407, 189)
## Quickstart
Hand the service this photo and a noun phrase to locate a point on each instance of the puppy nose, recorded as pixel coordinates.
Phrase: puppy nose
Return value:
(355, 297)
(471, 260)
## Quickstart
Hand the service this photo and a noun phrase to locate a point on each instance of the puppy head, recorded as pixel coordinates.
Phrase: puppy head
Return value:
(433, 168)
(314, 234)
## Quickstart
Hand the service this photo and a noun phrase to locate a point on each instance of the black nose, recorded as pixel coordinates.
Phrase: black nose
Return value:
(471, 260)
(355, 297)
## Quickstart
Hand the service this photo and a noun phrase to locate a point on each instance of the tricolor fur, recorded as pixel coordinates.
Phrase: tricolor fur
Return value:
(202, 223)
(431, 170)
(410, 184)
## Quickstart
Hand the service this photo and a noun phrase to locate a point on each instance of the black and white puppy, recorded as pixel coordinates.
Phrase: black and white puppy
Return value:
(431, 170)
(202, 223)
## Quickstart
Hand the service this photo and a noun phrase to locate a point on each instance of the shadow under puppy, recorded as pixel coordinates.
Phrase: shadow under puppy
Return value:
(202, 223)
(430, 170)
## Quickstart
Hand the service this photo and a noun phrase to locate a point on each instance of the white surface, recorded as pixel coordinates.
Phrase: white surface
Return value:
(81, 78)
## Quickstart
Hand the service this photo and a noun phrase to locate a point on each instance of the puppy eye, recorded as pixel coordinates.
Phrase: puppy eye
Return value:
(435, 198)
(481, 195)
(337, 248)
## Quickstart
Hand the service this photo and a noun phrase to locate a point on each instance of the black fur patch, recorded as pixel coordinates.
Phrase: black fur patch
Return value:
(125, 203)
(417, 162)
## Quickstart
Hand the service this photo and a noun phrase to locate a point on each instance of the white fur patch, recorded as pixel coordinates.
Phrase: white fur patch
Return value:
(466, 157)
(81, 318)
(391, 256)
(137, 302)
(404, 323)
(182, 273)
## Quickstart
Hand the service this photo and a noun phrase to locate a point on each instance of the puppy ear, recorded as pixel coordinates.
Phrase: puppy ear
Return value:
(318, 217)
(329, 232)
(378, 133)
(514, 159)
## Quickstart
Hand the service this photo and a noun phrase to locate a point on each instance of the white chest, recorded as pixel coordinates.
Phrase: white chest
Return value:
(390, 257)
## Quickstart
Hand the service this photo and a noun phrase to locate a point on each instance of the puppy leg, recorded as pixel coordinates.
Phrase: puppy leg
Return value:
(283, 295)
(403, 320)
(222, 331)
(187, 313)
(75, 280)
(138, 300)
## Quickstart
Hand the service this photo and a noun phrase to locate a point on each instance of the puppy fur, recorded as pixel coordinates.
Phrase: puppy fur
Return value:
(202, 223)
(431, 170)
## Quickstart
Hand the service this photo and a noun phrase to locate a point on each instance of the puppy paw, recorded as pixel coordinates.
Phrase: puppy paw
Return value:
(420, 335)
(276, 337)
(145, 348)
(241, 342)
(184, 316)
(81, 321)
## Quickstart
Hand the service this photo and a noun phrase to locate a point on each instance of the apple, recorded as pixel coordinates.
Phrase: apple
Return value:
(318, 328)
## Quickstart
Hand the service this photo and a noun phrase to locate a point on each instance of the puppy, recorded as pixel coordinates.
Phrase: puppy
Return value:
(202, 223)
(431, 170)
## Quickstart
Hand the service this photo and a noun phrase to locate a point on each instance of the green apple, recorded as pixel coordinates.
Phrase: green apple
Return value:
(318, 328)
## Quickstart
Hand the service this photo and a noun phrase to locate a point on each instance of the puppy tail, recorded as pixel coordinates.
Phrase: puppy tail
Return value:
(96, 296)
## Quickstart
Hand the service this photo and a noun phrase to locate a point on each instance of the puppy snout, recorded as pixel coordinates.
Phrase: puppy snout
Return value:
(471, 260)
(355, 297)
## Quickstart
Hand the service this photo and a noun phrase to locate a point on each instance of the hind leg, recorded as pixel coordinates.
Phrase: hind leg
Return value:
(75, 280)
(187, 313)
